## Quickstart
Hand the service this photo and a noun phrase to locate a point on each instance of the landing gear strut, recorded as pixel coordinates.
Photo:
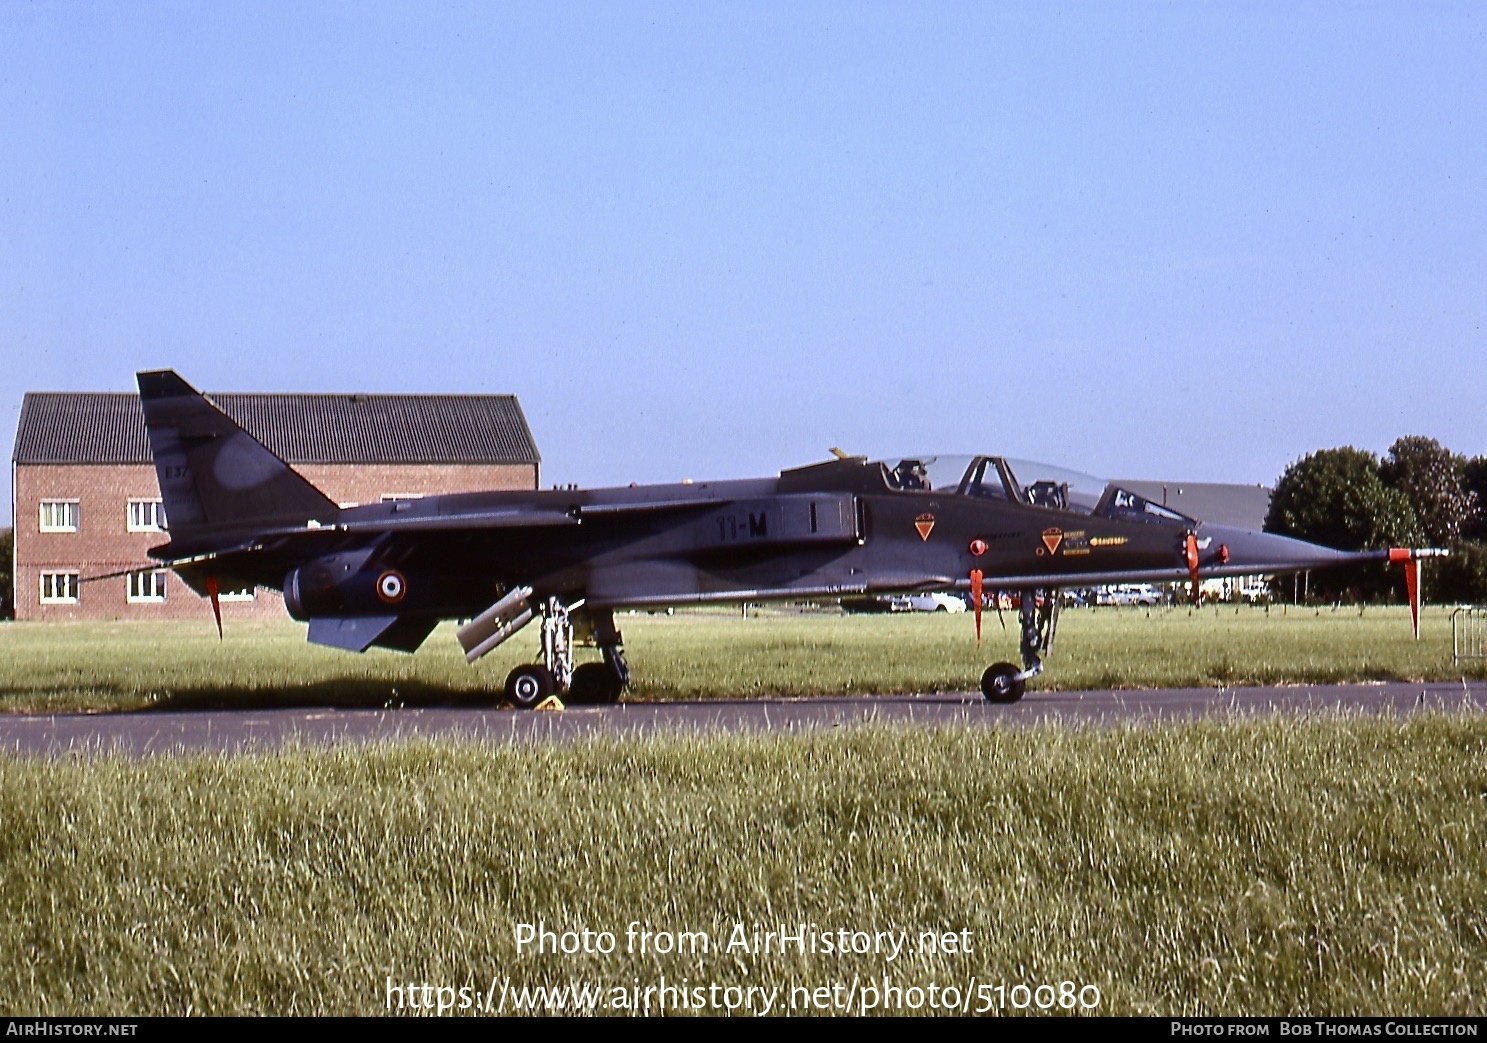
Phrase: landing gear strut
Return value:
(1003, 682)
(594, 683)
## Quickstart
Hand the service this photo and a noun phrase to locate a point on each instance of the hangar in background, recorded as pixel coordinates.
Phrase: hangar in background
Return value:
(1243, 506)
(87, 502)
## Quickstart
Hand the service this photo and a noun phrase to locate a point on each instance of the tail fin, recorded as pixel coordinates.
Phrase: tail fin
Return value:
(213, 474)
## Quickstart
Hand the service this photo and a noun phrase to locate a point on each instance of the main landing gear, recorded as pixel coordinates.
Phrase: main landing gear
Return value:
(531, 684)
(1003, 682)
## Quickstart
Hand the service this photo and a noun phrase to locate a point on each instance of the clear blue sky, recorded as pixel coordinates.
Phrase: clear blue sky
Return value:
(1187, 241)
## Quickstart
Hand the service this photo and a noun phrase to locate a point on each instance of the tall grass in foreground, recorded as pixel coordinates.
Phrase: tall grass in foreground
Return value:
(717, 654)
(1277, 866)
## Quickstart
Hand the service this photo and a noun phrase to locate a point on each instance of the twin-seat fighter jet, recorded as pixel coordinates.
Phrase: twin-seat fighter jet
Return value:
(385, 574)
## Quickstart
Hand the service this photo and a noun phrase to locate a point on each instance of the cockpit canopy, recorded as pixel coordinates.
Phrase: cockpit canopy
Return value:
(1022, 481)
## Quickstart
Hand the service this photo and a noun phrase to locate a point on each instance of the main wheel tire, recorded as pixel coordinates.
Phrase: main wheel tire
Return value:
(1000, 683)
(527, 686)
(594, 684)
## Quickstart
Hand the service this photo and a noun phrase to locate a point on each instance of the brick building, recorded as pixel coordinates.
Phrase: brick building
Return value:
(86, 501)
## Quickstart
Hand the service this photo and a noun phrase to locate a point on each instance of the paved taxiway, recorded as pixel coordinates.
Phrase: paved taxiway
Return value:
(156, 731)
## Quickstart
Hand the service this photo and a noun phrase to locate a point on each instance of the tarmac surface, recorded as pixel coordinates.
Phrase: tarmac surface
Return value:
(150, 732)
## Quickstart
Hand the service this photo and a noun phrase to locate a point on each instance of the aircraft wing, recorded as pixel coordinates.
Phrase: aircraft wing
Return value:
(474, 521)
(526, 518)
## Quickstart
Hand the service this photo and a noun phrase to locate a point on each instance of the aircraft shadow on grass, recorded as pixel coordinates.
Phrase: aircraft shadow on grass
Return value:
(340, 693)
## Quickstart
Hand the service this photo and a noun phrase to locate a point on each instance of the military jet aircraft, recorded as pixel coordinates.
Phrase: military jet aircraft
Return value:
(385, 574)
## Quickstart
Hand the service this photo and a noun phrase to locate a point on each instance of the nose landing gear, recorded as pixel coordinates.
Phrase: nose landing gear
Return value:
(1005, 683)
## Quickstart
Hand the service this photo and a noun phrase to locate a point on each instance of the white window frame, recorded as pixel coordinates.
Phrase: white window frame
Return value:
(138, 593)
(138, 506)
(75, 515)
(395, 497)
(68, 587)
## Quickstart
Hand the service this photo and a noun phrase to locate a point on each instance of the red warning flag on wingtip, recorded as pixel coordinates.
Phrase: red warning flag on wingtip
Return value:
(1190, 547)
(214, 592)
(1412, 586)
(976, 602)
(1410, 560)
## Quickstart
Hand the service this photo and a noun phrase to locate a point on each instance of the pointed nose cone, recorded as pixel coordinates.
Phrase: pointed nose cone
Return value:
(1261, 552)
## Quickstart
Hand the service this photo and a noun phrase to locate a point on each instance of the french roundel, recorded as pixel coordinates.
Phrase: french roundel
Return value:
(390, 586)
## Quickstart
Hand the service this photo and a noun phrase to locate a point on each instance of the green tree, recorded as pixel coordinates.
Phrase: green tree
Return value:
(1460, 578)
(1463, 576)
(1474, 476)
(1434, 479)
(7, 580)
(1337, 497)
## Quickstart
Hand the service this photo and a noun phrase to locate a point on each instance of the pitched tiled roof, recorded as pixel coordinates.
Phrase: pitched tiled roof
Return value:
(109, 428)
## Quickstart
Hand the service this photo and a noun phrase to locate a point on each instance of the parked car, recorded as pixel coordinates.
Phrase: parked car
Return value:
(935, 603)
(1129, 594)
(905, 603)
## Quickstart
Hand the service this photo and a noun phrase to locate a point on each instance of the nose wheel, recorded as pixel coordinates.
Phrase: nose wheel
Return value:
(1004, 682)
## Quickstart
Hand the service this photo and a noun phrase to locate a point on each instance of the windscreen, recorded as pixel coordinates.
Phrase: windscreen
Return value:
(927, 473)
(1044, 485)
(1122, 503)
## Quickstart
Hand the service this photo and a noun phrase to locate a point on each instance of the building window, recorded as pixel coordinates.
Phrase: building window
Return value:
(247, 592)
(394, 497)
(59, 516)
(146, 516)
(147, 586)
(59, 588)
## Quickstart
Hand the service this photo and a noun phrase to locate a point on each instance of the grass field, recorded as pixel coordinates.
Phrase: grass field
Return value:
(1280, 866)
(703, 655)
